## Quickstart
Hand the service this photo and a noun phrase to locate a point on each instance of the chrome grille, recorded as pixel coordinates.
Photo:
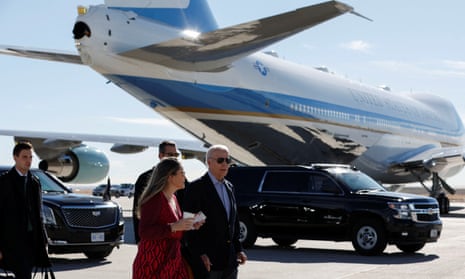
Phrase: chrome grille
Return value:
(90, 217)
(426, 212)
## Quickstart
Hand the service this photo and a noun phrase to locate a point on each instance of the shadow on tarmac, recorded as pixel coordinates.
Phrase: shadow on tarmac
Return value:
(65, 264)
(453, 213)
(316, 255)
(274, 253)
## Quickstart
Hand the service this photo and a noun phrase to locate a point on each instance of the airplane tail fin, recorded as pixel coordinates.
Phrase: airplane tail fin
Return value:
(178, 13)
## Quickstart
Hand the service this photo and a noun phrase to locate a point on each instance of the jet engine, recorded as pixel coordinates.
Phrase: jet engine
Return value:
(82, 165)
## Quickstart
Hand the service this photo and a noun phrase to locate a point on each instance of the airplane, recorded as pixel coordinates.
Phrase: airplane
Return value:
(67, 157)
(218, 85)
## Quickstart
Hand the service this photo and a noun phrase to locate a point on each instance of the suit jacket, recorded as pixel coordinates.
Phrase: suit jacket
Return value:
(20, 220)
(218, 237)
(139, 188)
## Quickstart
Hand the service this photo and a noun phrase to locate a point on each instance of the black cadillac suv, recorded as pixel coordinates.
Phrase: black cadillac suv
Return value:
(77, 223)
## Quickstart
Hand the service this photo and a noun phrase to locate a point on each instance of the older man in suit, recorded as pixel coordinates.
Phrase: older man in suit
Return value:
(217, 241)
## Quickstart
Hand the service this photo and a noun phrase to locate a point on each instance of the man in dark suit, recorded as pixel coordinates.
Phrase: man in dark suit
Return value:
(217, 241)
(22, 235)
(165, 149)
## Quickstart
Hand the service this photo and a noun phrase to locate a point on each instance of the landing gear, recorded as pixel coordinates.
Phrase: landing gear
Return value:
(437, 192)
(444, 203)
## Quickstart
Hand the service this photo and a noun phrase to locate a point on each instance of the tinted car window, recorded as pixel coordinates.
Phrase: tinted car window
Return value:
(283, 181)
(323, 184)
(358, 181)
(47, 183)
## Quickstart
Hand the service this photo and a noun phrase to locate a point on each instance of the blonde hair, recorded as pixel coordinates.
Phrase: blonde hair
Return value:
(159, 179)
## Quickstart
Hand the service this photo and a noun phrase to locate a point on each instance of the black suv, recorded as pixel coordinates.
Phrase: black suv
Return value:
(330, 202)
(78, 223)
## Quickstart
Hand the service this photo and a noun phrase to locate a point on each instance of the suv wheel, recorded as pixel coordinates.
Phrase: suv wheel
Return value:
(369, 237)
(99, 254)
(284, 241)
(247, 233)
(410, 248)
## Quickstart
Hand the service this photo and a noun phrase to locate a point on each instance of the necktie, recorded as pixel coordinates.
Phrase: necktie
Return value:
(27, 205)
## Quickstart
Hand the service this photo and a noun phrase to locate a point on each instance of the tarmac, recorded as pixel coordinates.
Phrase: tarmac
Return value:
(306, 259)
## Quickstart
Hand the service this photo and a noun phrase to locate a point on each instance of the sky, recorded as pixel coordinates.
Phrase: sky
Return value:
(410, 46)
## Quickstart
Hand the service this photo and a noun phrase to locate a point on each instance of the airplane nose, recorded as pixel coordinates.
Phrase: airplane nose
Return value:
(80, 30)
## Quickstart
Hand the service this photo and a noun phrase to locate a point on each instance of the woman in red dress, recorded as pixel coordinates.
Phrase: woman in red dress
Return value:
(161, 225)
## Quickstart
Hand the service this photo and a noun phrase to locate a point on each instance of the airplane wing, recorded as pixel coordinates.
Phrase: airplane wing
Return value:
(212, 51)
(440, 160)
(216, 50)
(36, 53)
(49, 144)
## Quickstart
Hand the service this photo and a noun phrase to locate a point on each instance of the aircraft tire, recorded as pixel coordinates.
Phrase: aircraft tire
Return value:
(444, 204)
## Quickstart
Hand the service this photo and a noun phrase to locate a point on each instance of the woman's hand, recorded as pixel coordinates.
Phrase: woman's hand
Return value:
(183, 224)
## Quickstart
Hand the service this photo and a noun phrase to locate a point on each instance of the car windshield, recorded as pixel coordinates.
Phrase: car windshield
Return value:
(48, 184)
(359, 182)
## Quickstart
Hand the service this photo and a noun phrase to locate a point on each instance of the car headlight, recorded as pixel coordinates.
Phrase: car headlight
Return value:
(403, 210)
(48, 216)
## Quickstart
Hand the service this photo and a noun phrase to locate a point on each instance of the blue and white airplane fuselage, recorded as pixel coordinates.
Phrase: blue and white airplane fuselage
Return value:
(366, 126)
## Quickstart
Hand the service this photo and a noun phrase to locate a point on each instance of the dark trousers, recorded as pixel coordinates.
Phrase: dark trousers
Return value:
(23, 269)
(215, 274)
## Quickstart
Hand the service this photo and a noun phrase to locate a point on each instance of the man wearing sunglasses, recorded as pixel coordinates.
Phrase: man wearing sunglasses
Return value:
(165, 149)
(217, 241)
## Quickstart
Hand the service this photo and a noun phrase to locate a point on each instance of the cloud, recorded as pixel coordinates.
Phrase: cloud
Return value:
(396, 66)
(357, 45)
(453, 68)
(445, 68)
(458, 65)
